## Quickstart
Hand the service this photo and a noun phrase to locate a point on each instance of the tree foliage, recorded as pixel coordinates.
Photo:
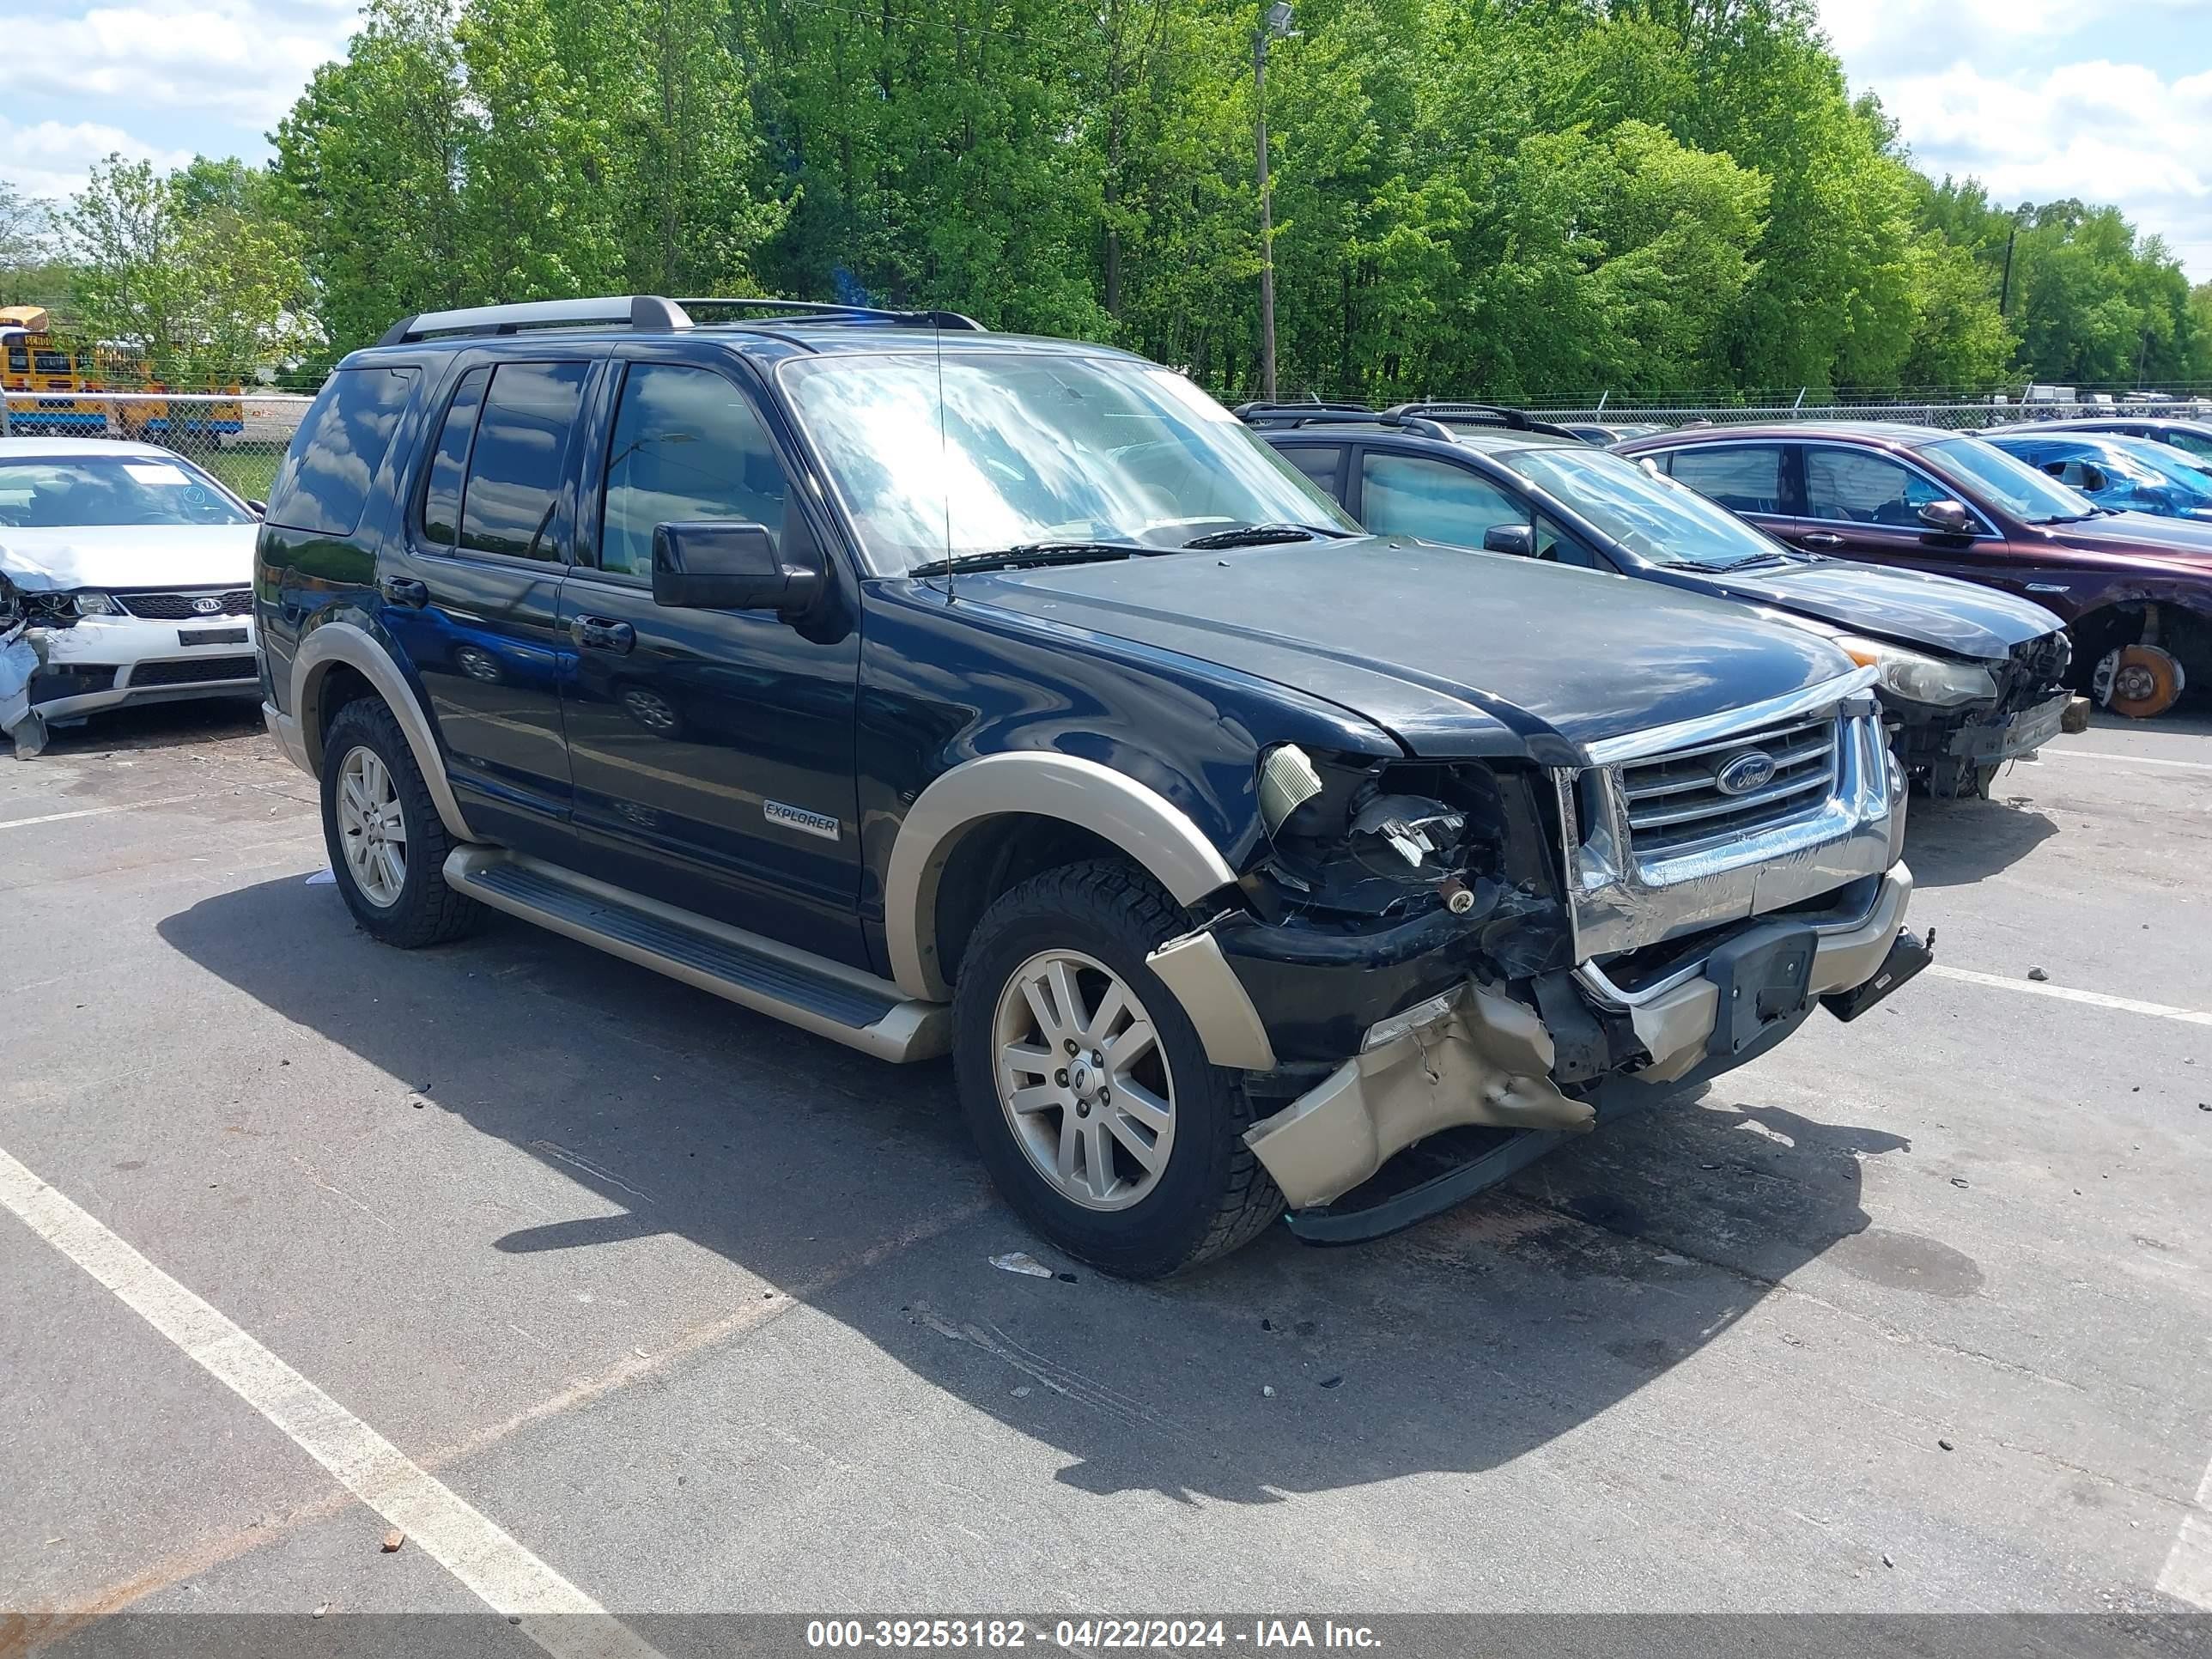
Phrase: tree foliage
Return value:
(1493, 197)
(192, 273)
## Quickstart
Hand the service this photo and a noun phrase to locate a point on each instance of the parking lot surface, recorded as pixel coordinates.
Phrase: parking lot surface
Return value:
(692, 1312)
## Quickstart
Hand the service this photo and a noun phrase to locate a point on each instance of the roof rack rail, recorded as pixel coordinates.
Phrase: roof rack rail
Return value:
(828, 311)
(1513, 420)
(1339, 415)
(646, 313)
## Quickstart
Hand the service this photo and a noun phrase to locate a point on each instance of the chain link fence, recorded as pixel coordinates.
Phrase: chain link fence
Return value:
(240, 437)
(1949, 416)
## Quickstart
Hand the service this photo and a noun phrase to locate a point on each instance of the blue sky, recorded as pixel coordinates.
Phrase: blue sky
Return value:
(2107, 100)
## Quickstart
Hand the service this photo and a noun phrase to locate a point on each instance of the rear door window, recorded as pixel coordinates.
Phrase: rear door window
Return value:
(325, 481)
(1322, 463)
(1437, 501)
(449, 463)
(1741, 477)
(515, 470)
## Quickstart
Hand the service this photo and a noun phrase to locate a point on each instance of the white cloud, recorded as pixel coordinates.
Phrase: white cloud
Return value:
(2102, 131)
(51, 158)
(244, 60)
(2039, 99)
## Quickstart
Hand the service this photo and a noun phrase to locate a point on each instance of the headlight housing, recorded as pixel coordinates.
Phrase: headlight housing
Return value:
(91, 604)
(1918, 678)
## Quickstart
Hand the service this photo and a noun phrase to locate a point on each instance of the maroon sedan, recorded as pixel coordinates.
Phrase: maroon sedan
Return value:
(2136, 592)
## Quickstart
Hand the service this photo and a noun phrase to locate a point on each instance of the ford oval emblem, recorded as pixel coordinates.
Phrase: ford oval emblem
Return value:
(205, 606)
(1741, 774)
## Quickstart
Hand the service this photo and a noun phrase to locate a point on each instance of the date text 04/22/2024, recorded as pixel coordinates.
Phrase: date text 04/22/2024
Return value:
(1154, 1635)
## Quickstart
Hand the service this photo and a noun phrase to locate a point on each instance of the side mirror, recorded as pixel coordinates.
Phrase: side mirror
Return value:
(259, 509)
(1948, 519)
(719, 565)
(1517, 538)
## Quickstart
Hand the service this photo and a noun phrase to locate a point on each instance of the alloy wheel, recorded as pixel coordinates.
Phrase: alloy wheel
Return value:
(1083, 1080)
(372, 826)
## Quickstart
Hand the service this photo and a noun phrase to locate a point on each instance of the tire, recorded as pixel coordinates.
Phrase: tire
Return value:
(419, 909)
(1208, 1193)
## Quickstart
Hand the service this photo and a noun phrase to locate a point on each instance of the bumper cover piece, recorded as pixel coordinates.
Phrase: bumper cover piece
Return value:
(1480, 1058)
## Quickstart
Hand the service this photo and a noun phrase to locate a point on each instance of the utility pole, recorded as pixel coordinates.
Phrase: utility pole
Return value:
(2004, 288)
(1275, 26)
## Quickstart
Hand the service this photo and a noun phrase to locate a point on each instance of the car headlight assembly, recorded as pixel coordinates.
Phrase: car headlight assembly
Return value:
(1917, 678)
(92, 603)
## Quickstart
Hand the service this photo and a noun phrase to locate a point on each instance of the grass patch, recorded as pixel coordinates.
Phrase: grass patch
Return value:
(248, 469)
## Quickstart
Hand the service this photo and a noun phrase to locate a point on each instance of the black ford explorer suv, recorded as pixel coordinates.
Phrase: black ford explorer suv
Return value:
(938, 690)
(1970, 678)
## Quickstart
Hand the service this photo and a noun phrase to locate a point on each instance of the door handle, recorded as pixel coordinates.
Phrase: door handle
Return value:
(405, 590)
(602, 634)
(1817, 539)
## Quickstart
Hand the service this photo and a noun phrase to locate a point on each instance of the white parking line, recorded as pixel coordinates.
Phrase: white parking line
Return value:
(2188, 1573)
(2125, 760)
(552, 1611)
(2068, 993)
(95, 811)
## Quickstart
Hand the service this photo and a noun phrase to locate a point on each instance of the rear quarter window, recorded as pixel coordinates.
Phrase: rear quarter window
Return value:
(325, 482)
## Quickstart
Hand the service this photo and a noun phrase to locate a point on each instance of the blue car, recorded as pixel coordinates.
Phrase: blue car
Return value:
(2128, 475)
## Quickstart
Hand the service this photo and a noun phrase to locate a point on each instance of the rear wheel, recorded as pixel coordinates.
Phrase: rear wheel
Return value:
(388, 845)
(1087, 1090)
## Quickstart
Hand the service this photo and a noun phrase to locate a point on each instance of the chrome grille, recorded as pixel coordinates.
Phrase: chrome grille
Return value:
(177, 607)
(1674, 800)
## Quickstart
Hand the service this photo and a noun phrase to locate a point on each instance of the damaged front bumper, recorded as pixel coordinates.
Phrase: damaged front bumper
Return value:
(1476, 1055)
(105, 662)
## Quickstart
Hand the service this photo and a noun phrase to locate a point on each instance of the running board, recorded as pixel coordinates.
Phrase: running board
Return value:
(843, 1004)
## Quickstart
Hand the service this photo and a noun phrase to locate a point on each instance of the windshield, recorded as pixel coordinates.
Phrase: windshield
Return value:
(2007, 481)
(1035, 447)
(66, 491)
(1653, 517)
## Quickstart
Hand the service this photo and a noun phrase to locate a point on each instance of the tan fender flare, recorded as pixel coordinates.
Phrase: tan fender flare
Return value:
(1144, 824)
(334, 642)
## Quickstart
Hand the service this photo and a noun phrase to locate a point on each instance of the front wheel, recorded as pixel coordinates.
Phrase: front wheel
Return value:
(1086, 1086)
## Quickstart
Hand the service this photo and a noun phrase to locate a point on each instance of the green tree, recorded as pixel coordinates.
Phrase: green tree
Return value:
(187, 272)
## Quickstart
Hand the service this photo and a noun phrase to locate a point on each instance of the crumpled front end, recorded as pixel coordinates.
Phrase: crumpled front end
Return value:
(1433, 947)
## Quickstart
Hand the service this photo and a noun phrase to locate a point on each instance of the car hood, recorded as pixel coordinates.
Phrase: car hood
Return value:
(1906, 605)
(1437, 645)
(129, 555)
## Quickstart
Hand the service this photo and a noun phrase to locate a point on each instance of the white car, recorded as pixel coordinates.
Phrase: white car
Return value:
(126, 576)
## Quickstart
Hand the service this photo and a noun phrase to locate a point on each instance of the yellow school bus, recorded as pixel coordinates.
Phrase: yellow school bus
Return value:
(36, 362)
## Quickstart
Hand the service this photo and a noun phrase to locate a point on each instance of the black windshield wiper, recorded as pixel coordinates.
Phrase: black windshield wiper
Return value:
(1032, 555)
(2071, 518)
(1262, 535)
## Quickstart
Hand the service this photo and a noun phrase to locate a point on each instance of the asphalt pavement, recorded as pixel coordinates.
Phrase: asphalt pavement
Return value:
(660, 1301)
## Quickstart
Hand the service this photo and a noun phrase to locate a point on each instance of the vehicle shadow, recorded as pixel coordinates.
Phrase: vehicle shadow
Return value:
(1459, 1346)
(1951, 843)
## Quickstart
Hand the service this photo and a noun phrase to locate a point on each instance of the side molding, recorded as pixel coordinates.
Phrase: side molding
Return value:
(335, 642)
(1141, 822)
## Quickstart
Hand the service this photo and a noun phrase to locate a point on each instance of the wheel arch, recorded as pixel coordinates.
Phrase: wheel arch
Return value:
(1104, 806)
(328, 658)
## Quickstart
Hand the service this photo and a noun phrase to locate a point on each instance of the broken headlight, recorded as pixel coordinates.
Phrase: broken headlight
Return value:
(88, 603)
(1354, 833)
